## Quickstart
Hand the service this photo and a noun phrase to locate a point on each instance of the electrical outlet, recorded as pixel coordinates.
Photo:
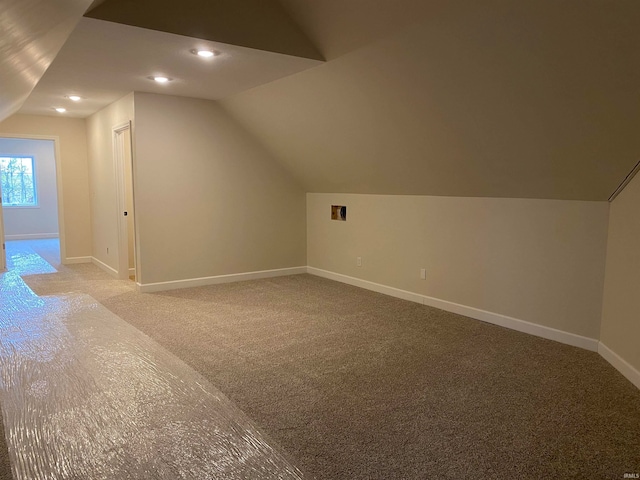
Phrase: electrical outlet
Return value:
(359, 261)
(423, 273)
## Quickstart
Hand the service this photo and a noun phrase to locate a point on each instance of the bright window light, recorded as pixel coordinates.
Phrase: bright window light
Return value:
(18, 182)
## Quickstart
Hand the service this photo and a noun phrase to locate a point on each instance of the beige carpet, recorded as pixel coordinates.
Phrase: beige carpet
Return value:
(88, 396)
(357, 385)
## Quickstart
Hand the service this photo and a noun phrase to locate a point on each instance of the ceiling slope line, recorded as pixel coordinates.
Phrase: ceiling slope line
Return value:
(625, 182)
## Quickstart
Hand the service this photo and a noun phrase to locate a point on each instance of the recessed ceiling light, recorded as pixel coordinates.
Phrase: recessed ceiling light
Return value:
(160, 78)
(60, 109)
(204, 53)
(75, 98)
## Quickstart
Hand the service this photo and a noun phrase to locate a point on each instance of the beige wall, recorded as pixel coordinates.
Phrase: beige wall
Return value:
(104, 214)
(71, 133)
(40, 221)
(621, 310)
(209, 201)
(541, 261)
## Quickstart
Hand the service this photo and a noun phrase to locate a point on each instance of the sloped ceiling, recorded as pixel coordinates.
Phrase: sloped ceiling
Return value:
(120, 45)
(530, 99)
(501, 98)
(104, 61)
(337, 27)
(259, 24)
(32, 33)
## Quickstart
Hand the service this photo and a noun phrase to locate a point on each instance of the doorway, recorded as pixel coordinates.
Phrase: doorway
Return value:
(123, 153)
(31, 192)
(3, 251)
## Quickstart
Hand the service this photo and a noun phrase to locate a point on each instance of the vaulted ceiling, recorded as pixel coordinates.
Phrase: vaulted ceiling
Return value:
(120, 44)
(502, 98)
(32, 33)
(103, 61)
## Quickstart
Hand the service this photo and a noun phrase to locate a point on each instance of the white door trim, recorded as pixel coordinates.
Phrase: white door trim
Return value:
(121, 220)
(3, 252)
(58, 162)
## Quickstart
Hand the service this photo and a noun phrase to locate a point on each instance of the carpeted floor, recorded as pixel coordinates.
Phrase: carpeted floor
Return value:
(358, 385)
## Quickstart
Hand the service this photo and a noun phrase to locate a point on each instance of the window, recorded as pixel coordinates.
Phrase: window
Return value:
(18, 182)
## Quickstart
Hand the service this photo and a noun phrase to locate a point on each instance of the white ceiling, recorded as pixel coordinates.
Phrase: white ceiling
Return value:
(103, 61)
(32, 32)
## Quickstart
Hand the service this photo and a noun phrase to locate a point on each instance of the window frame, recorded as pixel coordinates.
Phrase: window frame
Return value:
(36, 197)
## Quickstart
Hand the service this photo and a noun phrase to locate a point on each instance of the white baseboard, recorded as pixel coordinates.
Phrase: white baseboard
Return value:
(73, 260)
(31, 236)
(483, 315)
(523, 326)
(376, 287)
(235, 277)
(620, 364)
(111, 271)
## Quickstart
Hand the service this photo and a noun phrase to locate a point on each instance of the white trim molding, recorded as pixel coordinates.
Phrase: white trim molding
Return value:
(119, 165)
(74, 260)
(60, 196)
(357, 282)
(620, 364)
(31, 236)
(523, 326)
(235, 277)
(111, 271)
(475, 313)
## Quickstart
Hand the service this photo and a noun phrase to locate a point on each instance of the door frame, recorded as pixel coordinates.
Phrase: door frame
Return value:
(3, 250)
(121, 220)
(59, 193)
